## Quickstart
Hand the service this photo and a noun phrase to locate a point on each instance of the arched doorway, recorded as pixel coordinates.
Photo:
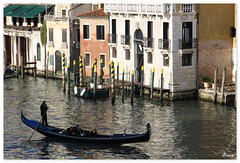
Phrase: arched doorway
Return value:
(58, 62)
(138, 53)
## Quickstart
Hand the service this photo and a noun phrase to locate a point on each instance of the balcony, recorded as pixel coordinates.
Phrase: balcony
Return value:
(164, 44)
(50, 44)
(148, 42)
(188, 43)
(64, 45)
(187, 8)
(125, 39)
(127, 8)
(55, 17)
(112, 38)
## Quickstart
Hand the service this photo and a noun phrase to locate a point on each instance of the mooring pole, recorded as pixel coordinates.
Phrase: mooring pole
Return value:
(113, 83)
(117, 72)
(141, 89)
(152, 83)
(35, 67)
(110, 80)
(74, 72)
(63, 71)
(95, 82)
(223, 85)
(132, 87)
(161, 88)
(215, 86)
(80, 71)
(22, 67)
(123, 85)
(68, 77)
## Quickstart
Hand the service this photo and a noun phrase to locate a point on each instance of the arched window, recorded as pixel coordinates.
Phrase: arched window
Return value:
(38, 52)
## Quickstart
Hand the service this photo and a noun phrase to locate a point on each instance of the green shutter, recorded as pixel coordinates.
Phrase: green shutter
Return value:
(38, 52)
(51, 60)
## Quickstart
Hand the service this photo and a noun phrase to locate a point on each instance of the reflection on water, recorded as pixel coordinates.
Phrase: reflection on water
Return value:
(180, 129)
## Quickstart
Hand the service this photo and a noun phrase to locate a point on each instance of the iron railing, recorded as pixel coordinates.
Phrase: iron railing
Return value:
(164, 44)
(148, 42)
(112, 38)
(188, 43)
(125, 39)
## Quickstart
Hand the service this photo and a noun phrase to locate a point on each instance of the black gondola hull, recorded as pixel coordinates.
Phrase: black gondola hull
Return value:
(55, 133)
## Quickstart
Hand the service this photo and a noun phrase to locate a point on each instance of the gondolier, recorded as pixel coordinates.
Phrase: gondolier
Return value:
(44, 109)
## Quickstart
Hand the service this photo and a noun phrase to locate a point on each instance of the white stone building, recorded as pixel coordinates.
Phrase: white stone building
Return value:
(159, 36)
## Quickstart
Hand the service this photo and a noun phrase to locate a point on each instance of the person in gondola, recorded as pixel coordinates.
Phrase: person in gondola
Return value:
(44, 109)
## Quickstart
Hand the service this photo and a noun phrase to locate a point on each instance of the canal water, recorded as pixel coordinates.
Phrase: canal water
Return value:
(189, 129)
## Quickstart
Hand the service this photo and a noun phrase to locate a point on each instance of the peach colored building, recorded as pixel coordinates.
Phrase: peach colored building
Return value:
(94, 29)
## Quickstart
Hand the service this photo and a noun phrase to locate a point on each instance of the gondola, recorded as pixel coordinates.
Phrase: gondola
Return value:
(56, 133)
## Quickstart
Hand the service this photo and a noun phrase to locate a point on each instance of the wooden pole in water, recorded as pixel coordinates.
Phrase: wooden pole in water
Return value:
(80, 71)
(223, 85)
(68, 77)
(123, 85)
(142, 73)
(110, 80)
(113, 83)
(215, 85)
(236, 89)
(152, 83)
(74, 72)
(161, 88)
(95, 82)
(63, 71)
(132, 87)
(35, 67)
(22, 67)
(117, 72)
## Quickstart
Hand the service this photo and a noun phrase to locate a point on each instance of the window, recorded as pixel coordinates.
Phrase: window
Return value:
(127, 54)
(127, 32)
(63, 13)
(100, 32)
(50, 34)
(102, 56)
(186, 35)
(51, 59)
(114, 52)
(38, 52)
(187, 59)
(165, 60)
(87, 59)
(149, 57)
(165, 35)
(86, 34)
(78, 35)
(64, 35)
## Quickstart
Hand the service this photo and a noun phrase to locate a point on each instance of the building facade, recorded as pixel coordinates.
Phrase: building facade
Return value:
(217, 40)
(159, 37)
(94, 29)
(22, 33)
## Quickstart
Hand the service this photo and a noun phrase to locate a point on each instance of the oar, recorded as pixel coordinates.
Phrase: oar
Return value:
(36, 127)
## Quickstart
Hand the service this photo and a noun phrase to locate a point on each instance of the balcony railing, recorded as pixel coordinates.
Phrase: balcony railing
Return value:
(64, 45)
(186, 8)
(125, 39)
(150, 9)
(55, 17)
(148, 42)
(164, 44)
(187, 43)
(112, 38)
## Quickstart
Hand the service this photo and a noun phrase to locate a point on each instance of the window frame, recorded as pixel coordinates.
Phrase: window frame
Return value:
(64, 30)
(127, 55)
(87, 37)
(104, 61)
(148, 54)
(89, 64)
(100, 32)
(166, 60)
(38, 52)
(50, 35)
(115, 54)
(187, 59)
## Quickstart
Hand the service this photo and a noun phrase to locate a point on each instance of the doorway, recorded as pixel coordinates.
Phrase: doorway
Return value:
(138, 53)
(58, 62)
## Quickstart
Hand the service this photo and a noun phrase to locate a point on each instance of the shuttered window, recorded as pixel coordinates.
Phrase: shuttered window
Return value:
(50, 34)
(64, 35)
(86, 34)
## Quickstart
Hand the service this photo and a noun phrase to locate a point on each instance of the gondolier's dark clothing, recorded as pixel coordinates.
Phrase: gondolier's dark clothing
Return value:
(44, 109)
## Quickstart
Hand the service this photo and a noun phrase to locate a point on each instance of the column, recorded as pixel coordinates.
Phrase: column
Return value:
(24, 22)
(39, 20)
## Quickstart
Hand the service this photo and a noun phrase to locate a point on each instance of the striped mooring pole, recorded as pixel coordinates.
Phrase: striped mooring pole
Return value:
(113, 83)
(80, 71)
(63, 69)
(117, 72)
